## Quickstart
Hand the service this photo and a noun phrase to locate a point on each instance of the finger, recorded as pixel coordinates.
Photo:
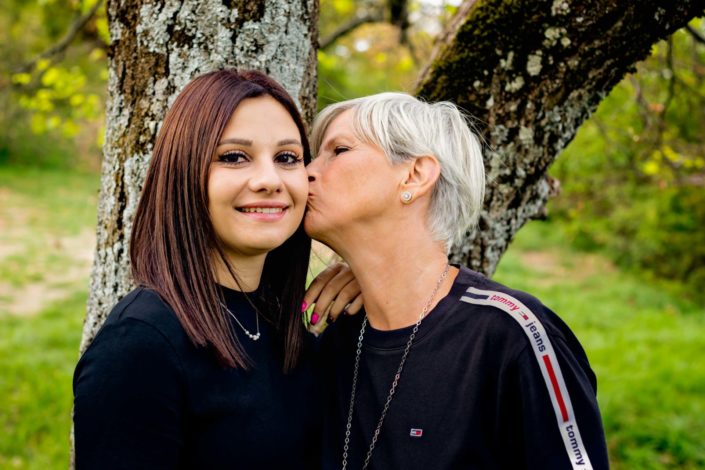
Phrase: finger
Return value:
(321, 325)
(317, 285)
(344, 298)
(331, 290)
(354, 307)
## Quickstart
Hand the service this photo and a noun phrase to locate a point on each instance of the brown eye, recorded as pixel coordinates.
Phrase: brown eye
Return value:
(232, 157)
(288, 158)
(340, 149)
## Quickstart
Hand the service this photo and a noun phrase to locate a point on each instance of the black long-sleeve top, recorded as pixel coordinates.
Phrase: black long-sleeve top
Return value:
(146, 397)
(494, 380)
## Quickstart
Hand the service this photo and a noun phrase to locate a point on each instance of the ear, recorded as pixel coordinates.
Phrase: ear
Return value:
(421, 176)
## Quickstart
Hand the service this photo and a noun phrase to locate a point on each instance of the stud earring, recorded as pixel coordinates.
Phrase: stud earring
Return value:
(406, 197)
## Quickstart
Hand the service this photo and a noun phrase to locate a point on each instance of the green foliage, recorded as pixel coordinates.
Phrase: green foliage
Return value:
(634, 177)
(641, 340)
(59, 98)
(60, 101)
(375, 57)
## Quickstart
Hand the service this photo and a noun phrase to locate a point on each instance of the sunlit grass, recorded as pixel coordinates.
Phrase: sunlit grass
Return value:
(37, 358)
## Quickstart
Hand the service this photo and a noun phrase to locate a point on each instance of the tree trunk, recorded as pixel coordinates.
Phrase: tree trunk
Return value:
(156, 48)
(531, 72)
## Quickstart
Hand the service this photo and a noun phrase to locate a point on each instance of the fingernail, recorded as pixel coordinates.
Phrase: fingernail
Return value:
(314, 318)
(304, 306)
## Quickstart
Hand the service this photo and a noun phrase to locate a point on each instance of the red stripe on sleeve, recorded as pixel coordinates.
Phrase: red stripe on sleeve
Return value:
(556, 389)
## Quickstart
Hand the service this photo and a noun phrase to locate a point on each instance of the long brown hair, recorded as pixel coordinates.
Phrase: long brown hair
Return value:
(173, 240)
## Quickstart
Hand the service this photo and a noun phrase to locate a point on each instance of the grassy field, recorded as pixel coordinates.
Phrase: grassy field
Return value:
(644, 342)
(47, 221)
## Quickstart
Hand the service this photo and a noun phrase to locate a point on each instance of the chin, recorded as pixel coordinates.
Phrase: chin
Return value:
(311, 226)
(317, 231)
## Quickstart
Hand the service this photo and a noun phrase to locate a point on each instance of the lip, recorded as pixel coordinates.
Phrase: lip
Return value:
(264, 204)
(264, 216)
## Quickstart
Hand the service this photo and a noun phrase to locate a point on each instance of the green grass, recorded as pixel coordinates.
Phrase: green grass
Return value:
(47, 219)
(37, 358)
(645, 345)
(58, 202)
(44, 216)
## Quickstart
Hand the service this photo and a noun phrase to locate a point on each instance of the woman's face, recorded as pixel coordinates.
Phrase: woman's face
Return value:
(257, 185)
(352, 183)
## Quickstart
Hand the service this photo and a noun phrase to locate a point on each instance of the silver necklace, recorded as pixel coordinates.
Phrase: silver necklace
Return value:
(253, 337)
(395, 382)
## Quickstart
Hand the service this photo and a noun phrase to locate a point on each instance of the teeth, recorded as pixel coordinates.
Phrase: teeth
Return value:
(262, 210)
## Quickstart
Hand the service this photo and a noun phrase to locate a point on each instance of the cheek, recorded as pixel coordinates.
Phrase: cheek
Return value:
(297, 182)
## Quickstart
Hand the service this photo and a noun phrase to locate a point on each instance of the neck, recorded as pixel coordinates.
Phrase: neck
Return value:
(397, 273)
(247, 269)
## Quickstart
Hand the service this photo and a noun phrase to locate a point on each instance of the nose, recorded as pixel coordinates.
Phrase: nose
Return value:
(266, 178)
(312, 170)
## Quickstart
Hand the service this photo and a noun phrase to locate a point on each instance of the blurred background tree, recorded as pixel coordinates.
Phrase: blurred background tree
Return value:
(634, 177)
(52, 81)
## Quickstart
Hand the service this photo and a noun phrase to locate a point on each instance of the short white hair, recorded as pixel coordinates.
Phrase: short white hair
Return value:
(405, 127)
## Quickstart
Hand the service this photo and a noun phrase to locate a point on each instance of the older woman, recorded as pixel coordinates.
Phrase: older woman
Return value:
(447, 369)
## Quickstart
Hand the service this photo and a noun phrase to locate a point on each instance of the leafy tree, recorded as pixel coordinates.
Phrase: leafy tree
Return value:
(633, 179)
(51, 77)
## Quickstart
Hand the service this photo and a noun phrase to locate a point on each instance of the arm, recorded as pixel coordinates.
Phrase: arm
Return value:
(555, 429)
(128, 399)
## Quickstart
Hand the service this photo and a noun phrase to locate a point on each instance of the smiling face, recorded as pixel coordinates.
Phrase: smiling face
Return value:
(257, 185)
(353, 185)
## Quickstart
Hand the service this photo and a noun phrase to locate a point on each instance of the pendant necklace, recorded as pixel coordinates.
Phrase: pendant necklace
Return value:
(395, 382)
(253, 337)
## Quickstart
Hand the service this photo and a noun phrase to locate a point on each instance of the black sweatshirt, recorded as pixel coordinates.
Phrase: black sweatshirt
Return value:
(145, 397)
(494, 380)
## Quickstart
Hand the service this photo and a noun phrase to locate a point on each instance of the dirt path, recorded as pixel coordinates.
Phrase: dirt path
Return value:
(38, 268)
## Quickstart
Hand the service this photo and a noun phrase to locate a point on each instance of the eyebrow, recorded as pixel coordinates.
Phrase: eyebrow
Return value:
(248, 143)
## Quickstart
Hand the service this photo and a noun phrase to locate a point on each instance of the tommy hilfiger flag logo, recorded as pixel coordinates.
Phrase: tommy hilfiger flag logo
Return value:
(416, 432)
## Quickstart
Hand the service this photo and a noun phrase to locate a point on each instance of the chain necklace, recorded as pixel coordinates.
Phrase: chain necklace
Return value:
(395, 382)
(253, 337)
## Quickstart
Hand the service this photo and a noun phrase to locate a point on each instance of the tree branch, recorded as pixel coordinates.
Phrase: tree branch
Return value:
(530, 92)
(329, 40)
(696, 35)
(62, 45)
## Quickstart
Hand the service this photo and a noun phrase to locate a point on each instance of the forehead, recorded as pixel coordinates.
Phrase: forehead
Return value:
(261, 113)
(341, 125)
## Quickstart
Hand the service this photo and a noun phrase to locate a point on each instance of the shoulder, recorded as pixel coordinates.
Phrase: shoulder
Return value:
(144, 310)
(510, 312)
(476, 289)
(140, 323)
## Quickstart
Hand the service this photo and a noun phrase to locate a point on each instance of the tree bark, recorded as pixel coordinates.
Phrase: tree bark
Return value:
(156, 48)
(530, 72)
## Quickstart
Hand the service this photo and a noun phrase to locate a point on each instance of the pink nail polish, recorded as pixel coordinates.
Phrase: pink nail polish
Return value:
(304, 306)
(314, 318)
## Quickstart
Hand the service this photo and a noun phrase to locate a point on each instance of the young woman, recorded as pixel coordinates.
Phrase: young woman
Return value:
(447, 369)
(206, 363)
